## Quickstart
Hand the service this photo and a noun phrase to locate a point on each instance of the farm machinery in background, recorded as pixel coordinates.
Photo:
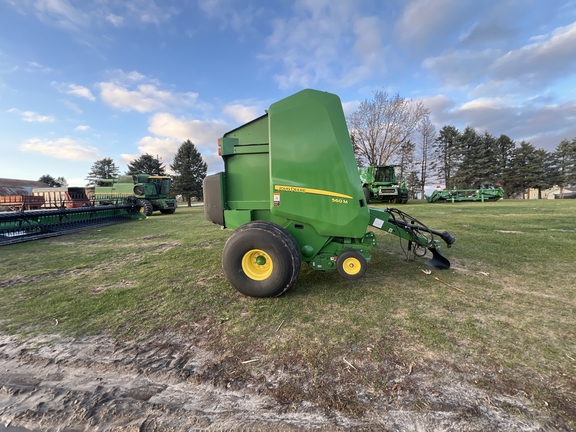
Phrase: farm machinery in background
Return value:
(381, 183)
(151, 192)
(26, 225)
(466, 195)
(54, 211)
(292, 193)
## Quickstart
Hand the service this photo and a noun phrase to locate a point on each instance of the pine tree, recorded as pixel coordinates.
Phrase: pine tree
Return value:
(53, 182)
(565, 164)
(102, 169)
(146, 164)
(447, 155)
(526, 168)
(190, 170)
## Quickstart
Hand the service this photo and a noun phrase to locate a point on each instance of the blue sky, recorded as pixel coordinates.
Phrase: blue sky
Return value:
(81, 80)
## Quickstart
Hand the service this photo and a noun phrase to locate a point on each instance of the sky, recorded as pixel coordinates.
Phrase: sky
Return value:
(81, 80)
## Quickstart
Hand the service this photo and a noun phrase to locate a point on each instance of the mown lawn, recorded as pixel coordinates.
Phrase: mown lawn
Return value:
(506, 305)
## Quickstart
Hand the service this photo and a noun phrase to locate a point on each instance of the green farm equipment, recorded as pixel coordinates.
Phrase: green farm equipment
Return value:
(22, 226)
(150, 191)
(381, 183)
(466, 195)
(291, 191)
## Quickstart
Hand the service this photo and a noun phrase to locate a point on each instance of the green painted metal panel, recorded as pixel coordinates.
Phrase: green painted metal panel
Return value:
(313, 173)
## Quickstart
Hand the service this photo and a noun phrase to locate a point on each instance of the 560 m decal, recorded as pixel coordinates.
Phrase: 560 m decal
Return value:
(337, 197)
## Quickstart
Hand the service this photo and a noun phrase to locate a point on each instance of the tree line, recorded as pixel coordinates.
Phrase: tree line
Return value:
(391, 130)
(188, 167)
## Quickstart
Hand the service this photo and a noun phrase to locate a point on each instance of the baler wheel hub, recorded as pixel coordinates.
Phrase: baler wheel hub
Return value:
(257, 264)
(351, 266)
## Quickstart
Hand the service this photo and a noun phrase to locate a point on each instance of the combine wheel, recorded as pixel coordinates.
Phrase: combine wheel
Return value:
(261, 259)
(145, 207)
(367, 195)
(351, 265)
(168, 211)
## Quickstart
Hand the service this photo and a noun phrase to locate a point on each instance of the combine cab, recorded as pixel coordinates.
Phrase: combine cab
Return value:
(466, 195)
(380, 183)
(151, 192)
(292, 193)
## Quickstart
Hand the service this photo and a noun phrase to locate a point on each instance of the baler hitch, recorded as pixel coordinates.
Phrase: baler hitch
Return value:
(419, 236)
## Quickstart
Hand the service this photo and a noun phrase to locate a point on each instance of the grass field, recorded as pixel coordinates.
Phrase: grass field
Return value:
(504, 310)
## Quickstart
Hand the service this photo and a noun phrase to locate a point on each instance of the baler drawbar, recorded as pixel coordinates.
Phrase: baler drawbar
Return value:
(291, 191)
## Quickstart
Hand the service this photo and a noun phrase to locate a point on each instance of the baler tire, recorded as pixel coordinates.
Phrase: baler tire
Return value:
(168, 211)
(145, 207)
(351, 264)
(278, 255)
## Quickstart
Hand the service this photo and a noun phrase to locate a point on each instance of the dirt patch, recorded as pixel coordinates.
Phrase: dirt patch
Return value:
(509, 232)
(173, 381)
(121, 284)
(14, 282)
(164, 247)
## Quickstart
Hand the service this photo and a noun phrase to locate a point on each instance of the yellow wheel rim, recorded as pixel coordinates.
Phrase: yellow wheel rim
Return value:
(351, 266)
(257, 264)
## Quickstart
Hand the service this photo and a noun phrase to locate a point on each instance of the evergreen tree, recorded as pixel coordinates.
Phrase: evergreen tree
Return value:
(447, 155)
(565, 164)
(190, 170)
(526, 168)
(146, 164)
(471, 149)
(102, 169)
(53, 182)
(504, 153)
(413, 184)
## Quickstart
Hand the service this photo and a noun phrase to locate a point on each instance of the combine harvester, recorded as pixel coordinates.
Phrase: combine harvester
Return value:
(21, 226)
(291, 191)
(466, 195)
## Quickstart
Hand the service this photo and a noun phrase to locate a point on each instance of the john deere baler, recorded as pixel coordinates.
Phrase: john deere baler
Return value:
(291, 191)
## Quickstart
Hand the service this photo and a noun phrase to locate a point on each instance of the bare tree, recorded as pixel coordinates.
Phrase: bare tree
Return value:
(426, 136)
(381, 126)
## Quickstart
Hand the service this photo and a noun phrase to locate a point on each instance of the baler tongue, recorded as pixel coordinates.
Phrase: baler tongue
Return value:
(438, 260)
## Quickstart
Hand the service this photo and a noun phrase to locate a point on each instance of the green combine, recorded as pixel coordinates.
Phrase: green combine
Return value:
(292, 193)
(466, 195)
(151, 192)
(381, 183)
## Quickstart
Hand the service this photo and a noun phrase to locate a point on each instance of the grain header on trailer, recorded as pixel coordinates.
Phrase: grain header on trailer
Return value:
(291, 191)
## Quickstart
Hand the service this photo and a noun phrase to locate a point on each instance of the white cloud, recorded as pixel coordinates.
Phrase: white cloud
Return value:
(33, 117)
(203, 133)
(62, 148)
(324, 41)
(34, 67)
(146, 97)
(80, 91)
(350, 106)
(62, 13)
(545, 59)
(425, 22)
(170, 132)
(224, 11)
(82, 128)
(542, 125)
(243, 113)
(116, 20)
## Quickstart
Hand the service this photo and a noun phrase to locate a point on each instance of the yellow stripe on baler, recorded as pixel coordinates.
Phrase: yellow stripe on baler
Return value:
(310, 191)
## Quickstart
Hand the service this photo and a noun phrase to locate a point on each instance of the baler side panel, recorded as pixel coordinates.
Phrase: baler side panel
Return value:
(313, 173)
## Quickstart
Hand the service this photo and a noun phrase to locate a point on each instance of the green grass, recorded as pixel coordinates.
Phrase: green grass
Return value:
(513, 260)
